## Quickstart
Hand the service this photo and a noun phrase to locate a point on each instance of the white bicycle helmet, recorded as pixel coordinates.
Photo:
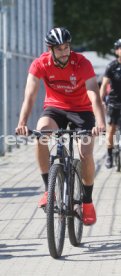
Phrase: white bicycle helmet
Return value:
(57, 36)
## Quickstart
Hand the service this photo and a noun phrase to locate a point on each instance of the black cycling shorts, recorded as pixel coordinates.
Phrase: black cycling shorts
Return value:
(113, 115)
(80, 120)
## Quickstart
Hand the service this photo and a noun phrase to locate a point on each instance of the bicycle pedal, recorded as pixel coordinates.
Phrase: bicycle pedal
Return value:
(77, 216)
(78, 211)
(77, 202)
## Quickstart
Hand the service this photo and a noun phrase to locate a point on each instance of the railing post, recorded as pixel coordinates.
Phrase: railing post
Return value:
(5, 96)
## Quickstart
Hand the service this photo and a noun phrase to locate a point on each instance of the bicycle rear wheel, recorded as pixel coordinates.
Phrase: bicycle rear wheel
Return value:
(56, 222)
(75, 223)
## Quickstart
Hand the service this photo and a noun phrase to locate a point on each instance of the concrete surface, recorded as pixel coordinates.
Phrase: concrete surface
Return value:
(23, 243)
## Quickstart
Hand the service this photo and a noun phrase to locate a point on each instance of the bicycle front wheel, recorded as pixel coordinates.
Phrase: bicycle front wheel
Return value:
(55, 217)
(75, 223)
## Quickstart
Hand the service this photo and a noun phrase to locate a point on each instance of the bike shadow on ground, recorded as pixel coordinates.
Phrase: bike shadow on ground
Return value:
(19, 192)
(103, 250)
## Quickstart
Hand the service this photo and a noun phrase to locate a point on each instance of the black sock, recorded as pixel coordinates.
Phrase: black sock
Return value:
(109, 151)
(45, 179)
(87, 196)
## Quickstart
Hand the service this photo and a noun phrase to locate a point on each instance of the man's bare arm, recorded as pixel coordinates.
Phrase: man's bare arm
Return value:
(31, 90)
(103, 87)
(94, 96)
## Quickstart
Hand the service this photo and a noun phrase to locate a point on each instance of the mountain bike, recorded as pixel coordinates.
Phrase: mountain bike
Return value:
(65, 192)
(117, 141)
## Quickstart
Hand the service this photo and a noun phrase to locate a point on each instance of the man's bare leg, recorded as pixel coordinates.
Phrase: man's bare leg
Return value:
(88, 173)
(42, 151)
(109, 141)
(88, 167)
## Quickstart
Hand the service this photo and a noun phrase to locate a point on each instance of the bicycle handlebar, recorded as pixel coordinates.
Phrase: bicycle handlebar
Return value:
(38, 133)
(116, 105)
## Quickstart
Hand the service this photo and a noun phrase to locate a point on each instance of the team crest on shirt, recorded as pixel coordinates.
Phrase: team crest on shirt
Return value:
(73, 80)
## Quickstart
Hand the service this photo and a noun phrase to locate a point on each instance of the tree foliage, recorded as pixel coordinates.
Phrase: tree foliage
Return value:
(93, 23)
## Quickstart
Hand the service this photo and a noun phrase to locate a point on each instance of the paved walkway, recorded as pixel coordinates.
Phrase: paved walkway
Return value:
(23, 243)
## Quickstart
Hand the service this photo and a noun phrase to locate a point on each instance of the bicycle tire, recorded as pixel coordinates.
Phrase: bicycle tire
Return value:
(75, 225)
(118, 163)
(117, 159)
(55, 200)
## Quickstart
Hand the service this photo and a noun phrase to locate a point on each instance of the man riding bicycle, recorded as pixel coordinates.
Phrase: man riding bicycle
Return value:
(113, 76)
(72, 95)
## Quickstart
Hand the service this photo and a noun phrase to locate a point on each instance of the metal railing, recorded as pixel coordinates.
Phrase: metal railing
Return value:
(21, 40)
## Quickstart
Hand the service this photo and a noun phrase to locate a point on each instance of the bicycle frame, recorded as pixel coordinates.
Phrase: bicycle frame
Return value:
(65, 157)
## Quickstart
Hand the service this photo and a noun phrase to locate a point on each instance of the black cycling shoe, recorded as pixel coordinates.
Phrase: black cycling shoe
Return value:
(109, 162)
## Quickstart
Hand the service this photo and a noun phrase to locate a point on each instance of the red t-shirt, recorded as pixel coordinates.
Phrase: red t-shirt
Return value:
(65, 88)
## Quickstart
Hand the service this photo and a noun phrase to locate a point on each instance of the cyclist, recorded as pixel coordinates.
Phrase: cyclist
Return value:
(71, 95)
(113, 76)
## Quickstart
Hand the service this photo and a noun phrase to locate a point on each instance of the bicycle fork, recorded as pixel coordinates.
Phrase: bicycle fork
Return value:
(67, 188)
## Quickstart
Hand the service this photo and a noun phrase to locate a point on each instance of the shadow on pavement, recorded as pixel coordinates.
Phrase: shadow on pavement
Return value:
(19, 192)
(104, 250)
